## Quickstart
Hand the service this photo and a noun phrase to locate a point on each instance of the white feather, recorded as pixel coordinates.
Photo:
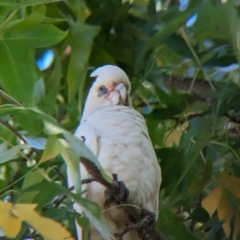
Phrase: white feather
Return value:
(118, 136)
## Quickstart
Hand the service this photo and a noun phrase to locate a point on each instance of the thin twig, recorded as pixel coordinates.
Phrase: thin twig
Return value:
(197, 59)
(7, 125)
(10, 99)
(57, 171)
(17, 134)
(200, 89)
(193, 81)
(62, 197)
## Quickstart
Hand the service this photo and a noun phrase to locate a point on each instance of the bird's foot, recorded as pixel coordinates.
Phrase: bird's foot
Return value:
(144, 227)
(119, 193)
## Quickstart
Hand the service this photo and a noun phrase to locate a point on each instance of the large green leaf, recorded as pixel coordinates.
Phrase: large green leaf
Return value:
(30, 179)
(44, 192)
(17, 73)
(81, 41)
(12, 153)
(170, 164)
(43, 120)
(192, 151)
(25, 3)
(52, 149)
(218, 24)
(234, 21)
(72, 161)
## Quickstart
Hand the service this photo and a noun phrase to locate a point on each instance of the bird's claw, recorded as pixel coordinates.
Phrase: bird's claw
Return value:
(120, 193)
(146, 225)
(123, 193)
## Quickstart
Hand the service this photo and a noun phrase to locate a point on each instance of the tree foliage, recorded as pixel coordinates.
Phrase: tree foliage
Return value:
(182, 58)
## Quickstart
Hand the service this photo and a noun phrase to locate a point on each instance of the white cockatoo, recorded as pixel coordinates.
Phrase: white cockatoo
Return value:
(117, 134)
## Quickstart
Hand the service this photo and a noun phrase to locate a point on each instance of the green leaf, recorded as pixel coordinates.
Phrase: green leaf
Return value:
(83, 151)
(166, 222)
(199, 184)
(53, 20)
(30, 179)
(72, 161)
(52, 87)
(63, 215)
(50, 124)
(12, 153)
(78, 8)
(233, 16)
(17, 73)
(45, 192)
(84, 223)
(223, 61)
(25, 3)
(200, 215)
(79, 147)
(100, 57)
(30, 119)
(7, 135)
(166, 26)
(52, 149)
(179, 46)
(171, 164)
(30, 122)
(175, 102)
(191, 154)
(218, 24)
(81, 41)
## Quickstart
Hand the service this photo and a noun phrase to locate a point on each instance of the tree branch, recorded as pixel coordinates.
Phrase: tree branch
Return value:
(200, 89)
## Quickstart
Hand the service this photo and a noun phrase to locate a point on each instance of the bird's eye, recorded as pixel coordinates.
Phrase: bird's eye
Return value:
(102, 90)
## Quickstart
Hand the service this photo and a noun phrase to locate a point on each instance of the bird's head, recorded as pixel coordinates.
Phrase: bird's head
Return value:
(111, 87)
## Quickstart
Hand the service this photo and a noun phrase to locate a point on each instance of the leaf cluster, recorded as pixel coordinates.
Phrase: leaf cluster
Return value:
(185, 81)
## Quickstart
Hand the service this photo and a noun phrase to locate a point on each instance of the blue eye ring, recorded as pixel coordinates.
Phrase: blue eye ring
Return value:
(102, 90)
